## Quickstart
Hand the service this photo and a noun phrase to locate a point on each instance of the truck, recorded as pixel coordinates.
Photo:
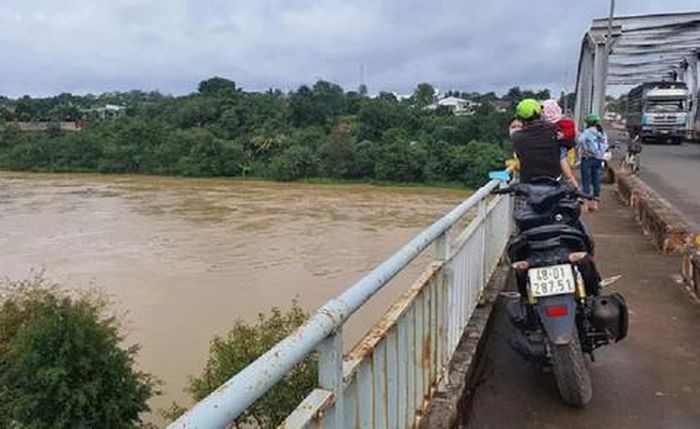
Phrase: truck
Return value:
(659, 111)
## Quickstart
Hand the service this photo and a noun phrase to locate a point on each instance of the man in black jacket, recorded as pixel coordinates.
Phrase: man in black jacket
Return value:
(536, 144)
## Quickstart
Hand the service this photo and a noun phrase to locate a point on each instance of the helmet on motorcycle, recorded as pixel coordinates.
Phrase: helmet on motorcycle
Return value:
(592, 119)
(528, 109)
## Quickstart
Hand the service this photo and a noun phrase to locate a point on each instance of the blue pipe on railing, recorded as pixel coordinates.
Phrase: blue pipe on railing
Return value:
(223, 405)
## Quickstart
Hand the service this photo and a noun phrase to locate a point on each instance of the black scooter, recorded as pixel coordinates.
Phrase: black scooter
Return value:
(560, 312)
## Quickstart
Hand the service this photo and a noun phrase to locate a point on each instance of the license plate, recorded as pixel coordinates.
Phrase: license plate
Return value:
(553, 280)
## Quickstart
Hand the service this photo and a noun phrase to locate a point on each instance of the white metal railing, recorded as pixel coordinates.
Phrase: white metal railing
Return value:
(388, 377)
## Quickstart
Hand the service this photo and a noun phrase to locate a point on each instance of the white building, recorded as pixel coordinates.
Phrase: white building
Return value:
(106, 112)
(458, 106)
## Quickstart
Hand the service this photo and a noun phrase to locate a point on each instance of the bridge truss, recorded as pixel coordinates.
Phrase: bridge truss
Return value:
(639, 49)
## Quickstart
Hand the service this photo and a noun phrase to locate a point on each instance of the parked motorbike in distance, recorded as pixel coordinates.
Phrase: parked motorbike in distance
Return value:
(630, 162)
(607, 174)
(560, 314)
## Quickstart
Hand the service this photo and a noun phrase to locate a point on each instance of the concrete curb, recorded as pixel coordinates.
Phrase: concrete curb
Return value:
(664, 224)
(450, 404)
(657, 217)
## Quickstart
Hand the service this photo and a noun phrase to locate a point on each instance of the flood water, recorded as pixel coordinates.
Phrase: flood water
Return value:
(185, 257)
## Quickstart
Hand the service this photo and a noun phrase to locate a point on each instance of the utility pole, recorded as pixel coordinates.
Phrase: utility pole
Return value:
(603, 81)
(363, 87)
(608, 39)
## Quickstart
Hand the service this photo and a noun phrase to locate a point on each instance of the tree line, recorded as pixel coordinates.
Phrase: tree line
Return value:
(221, 130)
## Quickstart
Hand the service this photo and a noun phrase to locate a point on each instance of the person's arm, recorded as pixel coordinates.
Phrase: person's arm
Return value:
(568, 173)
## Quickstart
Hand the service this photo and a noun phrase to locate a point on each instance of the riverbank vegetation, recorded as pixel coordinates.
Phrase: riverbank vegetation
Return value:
(62, 364)
(241, 346)
(320, 131)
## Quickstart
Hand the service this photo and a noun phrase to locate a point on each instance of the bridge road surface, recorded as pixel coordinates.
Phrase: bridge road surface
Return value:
(673, 171)
(649, 380)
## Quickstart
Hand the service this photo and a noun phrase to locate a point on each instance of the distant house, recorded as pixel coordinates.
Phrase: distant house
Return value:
(458, 106)
(402, 97)
(107, 112)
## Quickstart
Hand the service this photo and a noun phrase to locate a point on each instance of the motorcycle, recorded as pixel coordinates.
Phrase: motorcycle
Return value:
(630, 162)
(607, 175)
(560, 314)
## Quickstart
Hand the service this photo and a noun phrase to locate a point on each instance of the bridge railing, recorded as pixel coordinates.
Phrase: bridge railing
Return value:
(387, 379)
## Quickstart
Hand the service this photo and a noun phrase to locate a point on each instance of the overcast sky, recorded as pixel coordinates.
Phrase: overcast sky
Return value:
(80, 46)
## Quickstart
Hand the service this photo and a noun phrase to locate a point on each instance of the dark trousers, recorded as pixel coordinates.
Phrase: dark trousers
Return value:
(590, 175)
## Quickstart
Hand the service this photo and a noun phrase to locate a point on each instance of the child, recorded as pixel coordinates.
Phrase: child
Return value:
(552, 113)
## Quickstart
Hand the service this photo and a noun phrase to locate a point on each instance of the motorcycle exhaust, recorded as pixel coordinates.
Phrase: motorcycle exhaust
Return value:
(609, 314)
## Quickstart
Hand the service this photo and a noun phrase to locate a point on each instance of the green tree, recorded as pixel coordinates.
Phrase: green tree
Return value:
(330, 98)
(217, 86)
(514, 94)
(303, 109)
(338, 152)
(205, 154)
(383, 113)
(242, 345)
(543, 94)
(319, 105)
(197, 112)
(423, 95)
(400, 159)
(471, 163)
(364, 160)
(61, 364)
(296, 162)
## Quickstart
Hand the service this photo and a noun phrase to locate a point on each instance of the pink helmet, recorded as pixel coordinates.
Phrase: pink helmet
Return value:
(551, 112)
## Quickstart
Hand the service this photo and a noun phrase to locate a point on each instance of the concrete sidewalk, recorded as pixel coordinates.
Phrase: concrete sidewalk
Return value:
(650, 380)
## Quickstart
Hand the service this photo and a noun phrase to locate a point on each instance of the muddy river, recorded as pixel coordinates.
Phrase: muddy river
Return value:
(183, 258)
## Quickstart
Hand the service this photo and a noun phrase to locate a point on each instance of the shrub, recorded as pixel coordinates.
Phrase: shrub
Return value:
(241, 346)
(61, 365)
(295, 162)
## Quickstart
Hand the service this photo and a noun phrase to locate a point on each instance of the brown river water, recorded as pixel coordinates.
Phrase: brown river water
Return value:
(182, 258)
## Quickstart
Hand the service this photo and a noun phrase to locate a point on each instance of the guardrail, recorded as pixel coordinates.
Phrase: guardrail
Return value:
(388, 378)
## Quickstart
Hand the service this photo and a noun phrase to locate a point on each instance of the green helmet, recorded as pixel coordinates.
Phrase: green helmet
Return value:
(592, 119)
(528, 108)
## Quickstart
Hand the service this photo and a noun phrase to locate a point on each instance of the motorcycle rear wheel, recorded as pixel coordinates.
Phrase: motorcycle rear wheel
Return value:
(630, 164)
(571, 373)
(635, 164)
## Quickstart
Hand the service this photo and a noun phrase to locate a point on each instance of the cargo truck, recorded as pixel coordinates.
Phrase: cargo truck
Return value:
(659, 111)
